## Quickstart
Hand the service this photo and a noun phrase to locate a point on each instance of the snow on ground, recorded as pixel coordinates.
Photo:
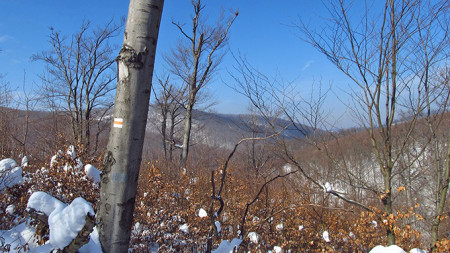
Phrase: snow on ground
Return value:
(390, 249)
(227, 247)
(328, 187)
(184, 228)
(92, 172)
(65, 221)
(326, 236)
(202, 213)
(280, 227)
(254, 237)
(10, 173)
(277, 249)
(417, 251)
(218, 227)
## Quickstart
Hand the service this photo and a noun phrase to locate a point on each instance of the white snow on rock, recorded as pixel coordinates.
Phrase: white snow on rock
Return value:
(10, 173)
(254, 237)
(65, 223)
(202, 213)
(328, 187)
(227, 247)
(326, 236)
(184, 228)
(92, 172)
(43, 202)
(390, 249)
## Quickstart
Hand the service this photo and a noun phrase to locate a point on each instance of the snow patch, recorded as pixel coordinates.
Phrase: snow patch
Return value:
(10, 173)
(227, 247)
(219, 228)
(43, 202)
(184, 228)
(280, 227)
(92, 172)
(202, 213)
(10, 209)
(328, 188)
(416, 250)
(277, 249)
(65, 223)
(326, 236)
(390, 249)
(254, 237)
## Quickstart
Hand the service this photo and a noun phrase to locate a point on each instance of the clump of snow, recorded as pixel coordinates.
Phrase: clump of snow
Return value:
(184, 228)
(328, 188)
(301, 227)
(326, 236)
(71, 151)
(277, 249)
(202, 213)
(92, 172)
(218, 227)
(254, 237)
(43, 202)
(10, 173)
(226, 246)
(374, 223)
(280, 227)
(351, 235)
(65, 223)
(10, 209)
(415, 250)
(24, 162)
(390, 249)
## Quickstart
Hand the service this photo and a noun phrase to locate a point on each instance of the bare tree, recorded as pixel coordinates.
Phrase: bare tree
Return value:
(170, 102)
(195, 61)
(123, 157)
(378, 55)
(5, 102)
(79, 76)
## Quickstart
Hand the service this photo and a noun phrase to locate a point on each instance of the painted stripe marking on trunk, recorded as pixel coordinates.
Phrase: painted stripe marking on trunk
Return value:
(118, 122)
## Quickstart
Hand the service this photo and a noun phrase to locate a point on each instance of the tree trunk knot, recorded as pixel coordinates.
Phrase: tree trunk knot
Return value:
(131, 58)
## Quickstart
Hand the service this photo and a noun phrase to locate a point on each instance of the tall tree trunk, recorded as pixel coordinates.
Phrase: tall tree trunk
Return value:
(187, 133)
(171, 135)
(387, 203)
(441, 199)
(124, 151)
(164, 132)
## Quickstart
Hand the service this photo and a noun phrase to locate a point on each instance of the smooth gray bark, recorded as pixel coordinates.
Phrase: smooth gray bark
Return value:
(124, 151)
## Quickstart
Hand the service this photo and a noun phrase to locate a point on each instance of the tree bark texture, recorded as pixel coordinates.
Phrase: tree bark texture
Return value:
(124, 151)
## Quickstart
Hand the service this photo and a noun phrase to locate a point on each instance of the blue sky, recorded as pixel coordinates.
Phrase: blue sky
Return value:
(262, 33)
